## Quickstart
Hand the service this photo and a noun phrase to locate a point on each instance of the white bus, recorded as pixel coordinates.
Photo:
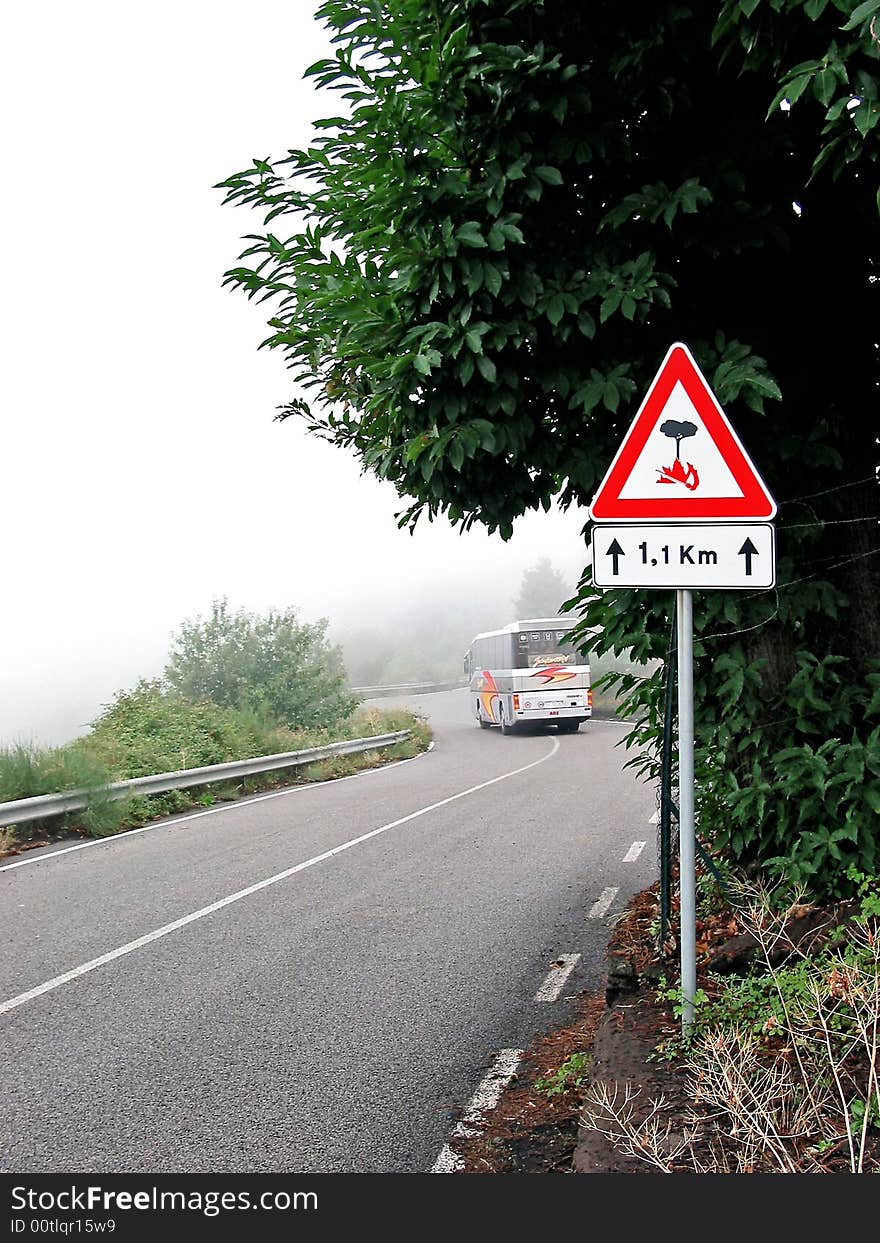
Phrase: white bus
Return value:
(525, 674)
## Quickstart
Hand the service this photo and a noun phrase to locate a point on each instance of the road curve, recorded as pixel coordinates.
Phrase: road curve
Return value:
(316, 980)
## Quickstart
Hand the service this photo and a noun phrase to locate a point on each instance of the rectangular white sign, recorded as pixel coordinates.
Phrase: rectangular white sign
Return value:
(682, 555)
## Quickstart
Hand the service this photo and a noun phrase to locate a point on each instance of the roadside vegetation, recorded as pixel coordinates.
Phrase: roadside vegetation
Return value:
(148, 730)
(276, 686)
(780, 1071)
(272, 665)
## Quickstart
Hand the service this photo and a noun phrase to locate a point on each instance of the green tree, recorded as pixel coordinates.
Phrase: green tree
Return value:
(272, 663)
(486, 257)
(543, 591)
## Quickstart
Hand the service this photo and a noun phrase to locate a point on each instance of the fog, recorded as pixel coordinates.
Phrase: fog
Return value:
(144, 474)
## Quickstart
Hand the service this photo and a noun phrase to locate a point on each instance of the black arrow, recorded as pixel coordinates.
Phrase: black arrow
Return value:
(748, 551)
(615, 552)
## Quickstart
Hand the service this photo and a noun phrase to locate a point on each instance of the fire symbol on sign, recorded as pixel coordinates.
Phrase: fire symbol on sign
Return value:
(676, 473)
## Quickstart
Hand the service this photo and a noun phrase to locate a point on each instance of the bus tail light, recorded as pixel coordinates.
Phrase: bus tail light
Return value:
(590, 697)
(516, 703)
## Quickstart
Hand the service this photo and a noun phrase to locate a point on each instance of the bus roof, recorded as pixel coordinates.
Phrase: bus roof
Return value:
(530, 623)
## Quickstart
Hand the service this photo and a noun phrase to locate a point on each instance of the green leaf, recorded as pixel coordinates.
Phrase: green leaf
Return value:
(486, 368)
(512, 233)
(474, 278)
(866, 116)
(861, 13)
(516, 170)
(492, 278)
(825, 86)
(559, 109)
(587, 325)
(609, 305)
(791, 91)
(547, 173)
(469, 234)
(555, 309)
(486, 434)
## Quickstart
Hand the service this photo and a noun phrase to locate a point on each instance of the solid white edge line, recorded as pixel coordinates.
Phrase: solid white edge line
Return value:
(634, 851)
(655, 819)
(601, 905)
(210, 811)
(486, 1097)
(156, 934)
(556, 977)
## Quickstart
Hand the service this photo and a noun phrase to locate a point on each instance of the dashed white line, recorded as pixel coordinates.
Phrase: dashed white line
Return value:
(634, 851)
(556, 977)
(489, 1092)
(130, 946)
(484, 1099)
(448, 1162)
(601, 905)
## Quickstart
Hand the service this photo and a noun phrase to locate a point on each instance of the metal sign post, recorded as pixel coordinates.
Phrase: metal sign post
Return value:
(686, 832)
(698, 520)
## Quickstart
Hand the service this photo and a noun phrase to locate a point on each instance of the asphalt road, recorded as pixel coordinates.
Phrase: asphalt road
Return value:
(317, 980)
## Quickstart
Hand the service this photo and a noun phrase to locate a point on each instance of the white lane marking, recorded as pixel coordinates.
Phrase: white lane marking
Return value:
(448, 1162)
(140, 942)
(634, 851)
(655, 819)
(211, 811)
(556, 977)
(483, 1100)
(598, 909)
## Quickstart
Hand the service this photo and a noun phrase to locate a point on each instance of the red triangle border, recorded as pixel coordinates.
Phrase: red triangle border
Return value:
(755, 503)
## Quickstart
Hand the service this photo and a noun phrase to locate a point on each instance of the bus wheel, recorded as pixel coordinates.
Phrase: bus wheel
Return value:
(483, 724)
(568, 727)
(506, 728)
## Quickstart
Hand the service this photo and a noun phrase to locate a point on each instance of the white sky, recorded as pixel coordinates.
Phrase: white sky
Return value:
(143, 474)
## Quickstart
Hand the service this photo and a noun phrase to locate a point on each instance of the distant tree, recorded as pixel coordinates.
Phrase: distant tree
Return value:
(272, 663)
(543, 591)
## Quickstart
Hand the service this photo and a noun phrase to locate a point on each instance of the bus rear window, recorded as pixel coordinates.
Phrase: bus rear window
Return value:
(534, 648)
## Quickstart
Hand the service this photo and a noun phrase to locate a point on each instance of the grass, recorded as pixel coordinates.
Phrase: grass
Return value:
(149, 732)
(27, 770)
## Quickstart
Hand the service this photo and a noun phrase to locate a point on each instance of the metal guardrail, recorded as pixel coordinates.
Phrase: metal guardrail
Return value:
(22, 810)
(413, 687)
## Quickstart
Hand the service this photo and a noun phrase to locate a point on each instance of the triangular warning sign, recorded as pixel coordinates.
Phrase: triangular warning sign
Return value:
(681, 460)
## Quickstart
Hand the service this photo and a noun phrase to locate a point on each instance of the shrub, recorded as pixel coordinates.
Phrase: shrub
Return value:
(274, 665)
